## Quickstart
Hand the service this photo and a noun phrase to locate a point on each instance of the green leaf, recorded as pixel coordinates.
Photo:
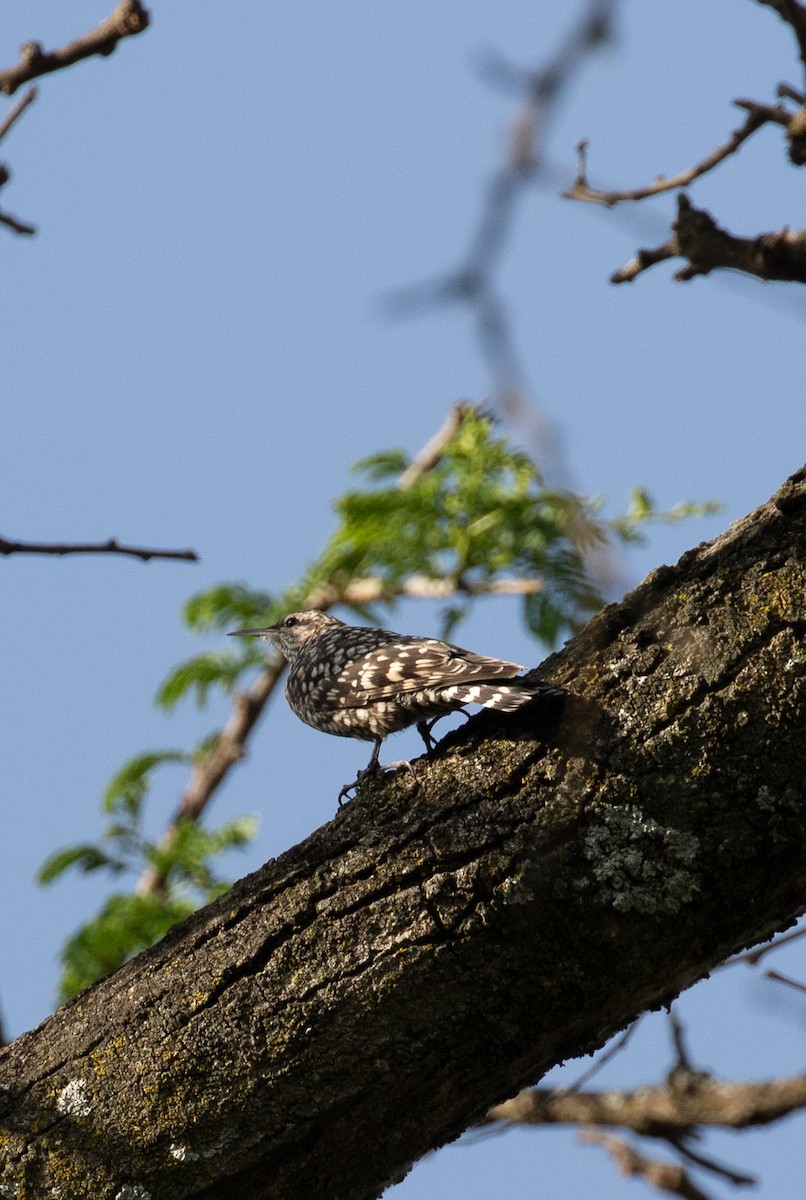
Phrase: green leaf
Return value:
(192, 847)
(220, 668)
(126, 789)
(227, 604)
(87, 858)
(383, 465)
(125, 926)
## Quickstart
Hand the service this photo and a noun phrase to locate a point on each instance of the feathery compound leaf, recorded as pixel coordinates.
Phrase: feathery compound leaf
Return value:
(86, 858)
(224, 605)
(125, 926)
(216, 668)
(126, 789)
(386, 464)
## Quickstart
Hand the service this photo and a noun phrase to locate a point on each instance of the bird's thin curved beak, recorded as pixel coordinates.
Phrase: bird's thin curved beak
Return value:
(251, 632)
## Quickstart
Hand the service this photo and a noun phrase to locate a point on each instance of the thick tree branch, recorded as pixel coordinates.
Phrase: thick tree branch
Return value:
(706, 247)
(110, 546)
(130, 17)
(444, 940)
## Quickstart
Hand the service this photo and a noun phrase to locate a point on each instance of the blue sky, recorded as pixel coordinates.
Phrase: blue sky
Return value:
(194, 353)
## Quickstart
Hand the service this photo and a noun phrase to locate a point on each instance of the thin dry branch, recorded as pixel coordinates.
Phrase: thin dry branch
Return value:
(15, 224)
(16, 112)
(757, 116)
(129, 18)
(11, 117)
(665, 1176)
(420, 587)
(707, 247)
(777, 977)
(111, 546)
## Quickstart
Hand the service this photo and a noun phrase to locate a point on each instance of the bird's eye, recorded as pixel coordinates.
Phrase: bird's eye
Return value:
(290, 621)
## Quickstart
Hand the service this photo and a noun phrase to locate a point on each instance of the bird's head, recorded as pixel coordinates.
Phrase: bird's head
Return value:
(292, 633)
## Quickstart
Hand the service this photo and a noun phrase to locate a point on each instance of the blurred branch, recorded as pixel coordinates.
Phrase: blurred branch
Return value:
(795, 16)
(16, 112)
(112, 546)
(429, 456)
(660, 1112)
(757, 116)
(665, 1176)
(473, 283)
(707, 247)
(777, 977)
(129, 18)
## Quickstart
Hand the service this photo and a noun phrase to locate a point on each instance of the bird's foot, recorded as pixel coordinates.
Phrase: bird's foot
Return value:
(424, 728)
(399, 764)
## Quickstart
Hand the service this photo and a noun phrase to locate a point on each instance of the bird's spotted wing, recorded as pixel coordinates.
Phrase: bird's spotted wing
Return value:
(410, 665)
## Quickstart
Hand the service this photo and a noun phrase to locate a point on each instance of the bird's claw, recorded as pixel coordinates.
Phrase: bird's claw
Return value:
(399, 764)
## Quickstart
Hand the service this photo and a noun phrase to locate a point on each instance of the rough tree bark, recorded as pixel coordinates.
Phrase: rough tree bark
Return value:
(431, 950)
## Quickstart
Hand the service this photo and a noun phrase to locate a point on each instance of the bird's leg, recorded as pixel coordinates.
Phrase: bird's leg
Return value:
(372, 765)
(372, 768)
(424, 728)
(369, 769)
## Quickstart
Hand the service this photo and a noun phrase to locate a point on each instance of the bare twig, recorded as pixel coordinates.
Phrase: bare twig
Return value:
(11, 222)
(683, 1067)
(707, 247)
(129, 18)
(111, 546)
(737, 1178)
(758, 115)
(777, 977)
(15, 224)
(16, 112)
(666, 1177)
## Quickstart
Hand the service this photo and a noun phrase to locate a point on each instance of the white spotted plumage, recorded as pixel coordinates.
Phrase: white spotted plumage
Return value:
(366, 683)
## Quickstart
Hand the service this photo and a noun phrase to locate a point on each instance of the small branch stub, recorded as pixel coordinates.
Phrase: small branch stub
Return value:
(129, 18)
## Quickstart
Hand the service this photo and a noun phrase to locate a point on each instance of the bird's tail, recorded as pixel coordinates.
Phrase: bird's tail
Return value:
(504, 697)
